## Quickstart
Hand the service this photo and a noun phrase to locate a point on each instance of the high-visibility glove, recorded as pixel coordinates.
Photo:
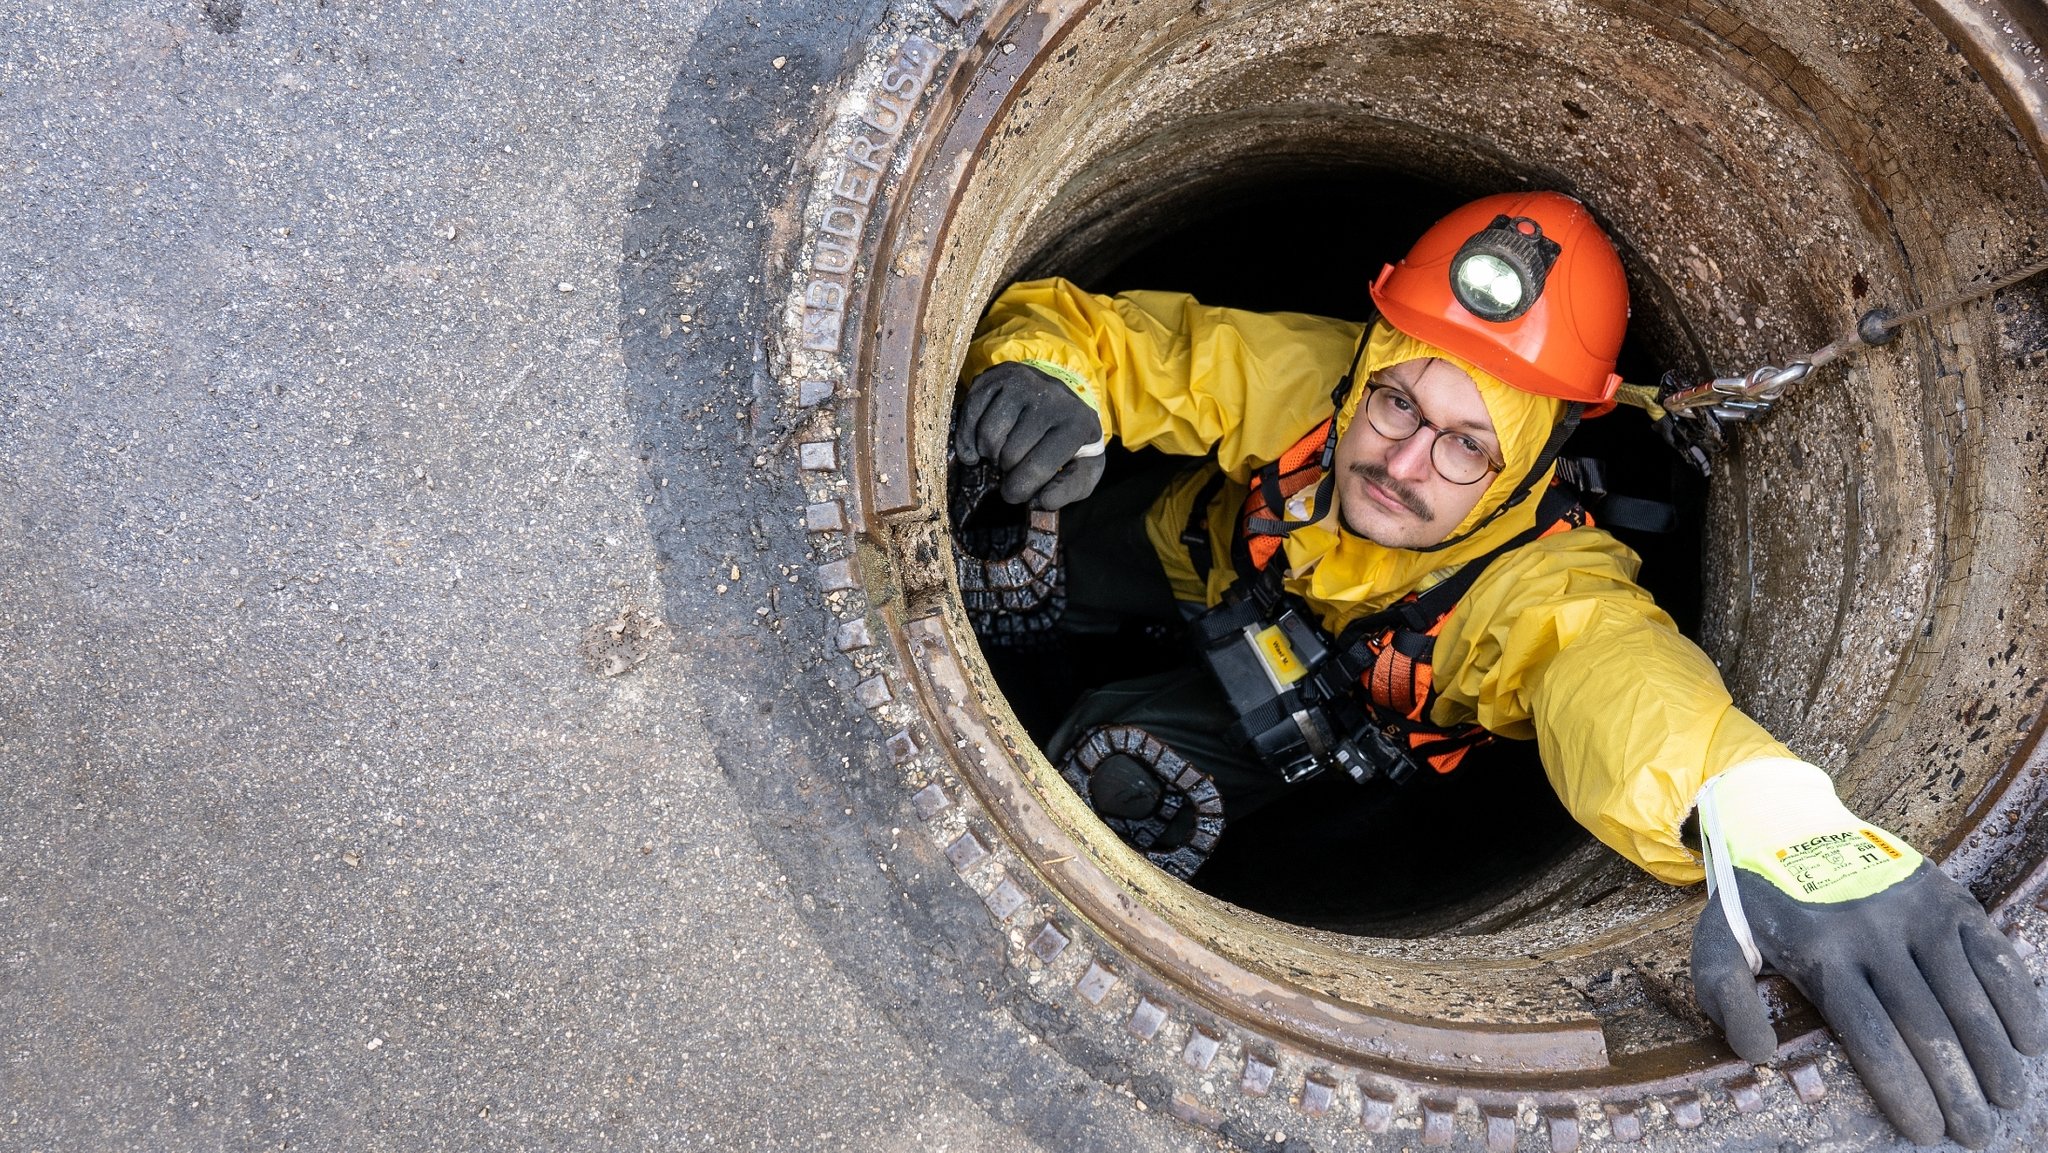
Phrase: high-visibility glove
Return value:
(1927, 997)
(1046, 439)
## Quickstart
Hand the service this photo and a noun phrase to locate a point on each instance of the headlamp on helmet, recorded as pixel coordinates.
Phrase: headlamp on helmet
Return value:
(1498, 273)
(1523, 285)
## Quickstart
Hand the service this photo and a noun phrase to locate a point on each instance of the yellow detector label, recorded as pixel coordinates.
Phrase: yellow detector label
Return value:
(1279, 655)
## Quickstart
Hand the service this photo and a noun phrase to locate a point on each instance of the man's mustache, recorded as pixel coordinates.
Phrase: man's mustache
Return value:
(1378, 475)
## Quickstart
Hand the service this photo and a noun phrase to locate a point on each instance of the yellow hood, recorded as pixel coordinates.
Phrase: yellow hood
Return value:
(1347, 576)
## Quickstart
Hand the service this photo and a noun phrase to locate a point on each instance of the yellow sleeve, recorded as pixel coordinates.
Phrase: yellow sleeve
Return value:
(1164, 370)
(1556, 641)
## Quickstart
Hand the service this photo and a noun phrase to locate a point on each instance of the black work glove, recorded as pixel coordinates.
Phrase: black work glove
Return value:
(1035, 430)
(1928, 999)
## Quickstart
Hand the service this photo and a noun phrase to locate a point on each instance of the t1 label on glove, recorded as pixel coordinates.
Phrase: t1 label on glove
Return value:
(1820, 863)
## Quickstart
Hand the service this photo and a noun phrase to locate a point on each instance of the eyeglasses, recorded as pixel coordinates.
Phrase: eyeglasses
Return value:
(1458, 458)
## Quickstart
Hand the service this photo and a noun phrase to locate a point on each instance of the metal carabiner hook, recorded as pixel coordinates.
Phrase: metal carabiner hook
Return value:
(1746, 398)
(1740, 397)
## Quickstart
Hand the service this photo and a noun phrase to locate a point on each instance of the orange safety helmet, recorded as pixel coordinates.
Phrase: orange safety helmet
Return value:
(1526, 286)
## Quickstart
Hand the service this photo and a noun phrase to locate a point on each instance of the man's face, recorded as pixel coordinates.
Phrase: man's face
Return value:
(1389, 491)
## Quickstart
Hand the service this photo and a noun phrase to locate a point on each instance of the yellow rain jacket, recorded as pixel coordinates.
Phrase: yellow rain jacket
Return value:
(1555, 640)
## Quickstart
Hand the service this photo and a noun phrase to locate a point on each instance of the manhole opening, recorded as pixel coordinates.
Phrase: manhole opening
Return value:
(1438, 854)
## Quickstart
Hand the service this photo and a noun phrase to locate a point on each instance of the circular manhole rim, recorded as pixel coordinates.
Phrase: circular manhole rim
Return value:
(1031, 804)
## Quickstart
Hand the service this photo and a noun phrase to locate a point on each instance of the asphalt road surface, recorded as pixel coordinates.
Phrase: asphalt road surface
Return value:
(356, 796)
(419, 728)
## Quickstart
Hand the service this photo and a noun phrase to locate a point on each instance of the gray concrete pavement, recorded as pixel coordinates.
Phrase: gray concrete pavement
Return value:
(318, 488)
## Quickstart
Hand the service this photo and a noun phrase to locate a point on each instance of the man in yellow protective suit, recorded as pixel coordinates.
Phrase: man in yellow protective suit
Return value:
(1381, 574)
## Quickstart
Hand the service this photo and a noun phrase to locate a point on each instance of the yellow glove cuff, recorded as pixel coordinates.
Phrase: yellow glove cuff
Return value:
(1780, 819)
(1079, 385)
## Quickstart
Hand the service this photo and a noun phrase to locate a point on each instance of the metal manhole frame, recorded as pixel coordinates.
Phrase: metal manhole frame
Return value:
(1397, 1057)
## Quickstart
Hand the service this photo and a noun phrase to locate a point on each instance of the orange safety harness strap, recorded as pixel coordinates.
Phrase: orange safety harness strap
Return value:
(1378, 679)
(1265, 523)
(1390, 653)
(1360, 700)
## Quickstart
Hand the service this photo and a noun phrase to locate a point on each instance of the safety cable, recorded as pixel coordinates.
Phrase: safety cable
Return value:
(1750, 396)
(1885, 326)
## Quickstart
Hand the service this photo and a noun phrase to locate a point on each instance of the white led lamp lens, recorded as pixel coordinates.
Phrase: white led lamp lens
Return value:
(1491, 282)
(1498, 273)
